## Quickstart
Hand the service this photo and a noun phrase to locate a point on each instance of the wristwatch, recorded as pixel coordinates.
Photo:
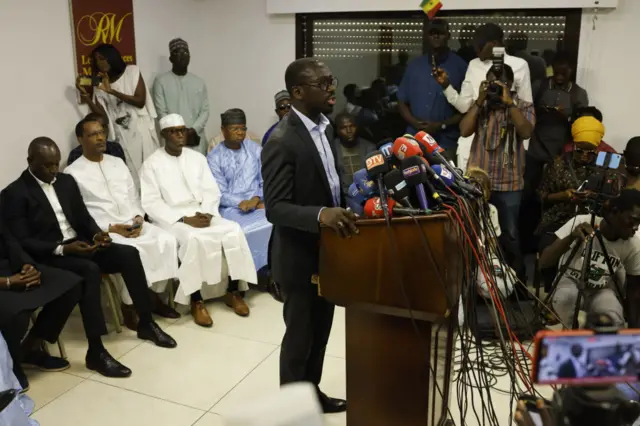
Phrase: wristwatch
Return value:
(443, 127)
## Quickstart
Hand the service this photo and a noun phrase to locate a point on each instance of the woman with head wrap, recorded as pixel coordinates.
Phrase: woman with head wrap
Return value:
(122, 97)
(558, 190)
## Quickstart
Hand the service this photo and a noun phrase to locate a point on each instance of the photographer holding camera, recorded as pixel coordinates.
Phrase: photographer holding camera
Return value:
(501, 122)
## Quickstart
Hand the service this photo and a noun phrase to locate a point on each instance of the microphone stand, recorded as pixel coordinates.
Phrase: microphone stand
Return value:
(383, 200)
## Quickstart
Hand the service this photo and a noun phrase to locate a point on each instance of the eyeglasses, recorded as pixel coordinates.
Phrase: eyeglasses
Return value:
(177, 130)
(284, 107)
(583, 151)
(324, 85)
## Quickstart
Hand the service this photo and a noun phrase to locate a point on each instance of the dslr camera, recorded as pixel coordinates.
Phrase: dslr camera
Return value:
(494, 91)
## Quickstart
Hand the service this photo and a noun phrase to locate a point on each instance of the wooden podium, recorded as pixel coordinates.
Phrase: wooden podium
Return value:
(398, 321)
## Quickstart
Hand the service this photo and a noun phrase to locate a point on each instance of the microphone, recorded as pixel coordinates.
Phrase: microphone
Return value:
(373, 209)
(404, 148)
(397, 187)
(433, 150)
(377, 166)
(386, 148)
(462, 188)
(364, 184)
(355, 199)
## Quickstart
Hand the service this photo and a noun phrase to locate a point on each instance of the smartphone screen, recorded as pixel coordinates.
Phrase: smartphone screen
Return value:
(583, 358)
(614, 160)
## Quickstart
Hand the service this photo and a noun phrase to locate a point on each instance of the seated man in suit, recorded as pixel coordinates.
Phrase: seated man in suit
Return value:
(111, 197)
(45, 211)
(23, 289)
(179, 194)
(235, 165)
(112, 148)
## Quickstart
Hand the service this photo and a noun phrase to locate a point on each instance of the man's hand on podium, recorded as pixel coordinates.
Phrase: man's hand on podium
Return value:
(343, 221)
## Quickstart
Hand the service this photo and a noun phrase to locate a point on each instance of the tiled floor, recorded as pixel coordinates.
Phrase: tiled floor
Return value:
(211, 372)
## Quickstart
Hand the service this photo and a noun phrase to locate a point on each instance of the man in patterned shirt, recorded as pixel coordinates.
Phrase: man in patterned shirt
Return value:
(501, 122)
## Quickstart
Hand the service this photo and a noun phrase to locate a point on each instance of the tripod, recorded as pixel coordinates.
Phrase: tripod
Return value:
(586, 267)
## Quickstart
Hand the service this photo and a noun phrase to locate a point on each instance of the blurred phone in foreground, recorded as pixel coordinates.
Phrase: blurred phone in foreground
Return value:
(582, 357)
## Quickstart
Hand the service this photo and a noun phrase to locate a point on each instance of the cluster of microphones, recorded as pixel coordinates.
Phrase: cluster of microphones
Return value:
(407, 177)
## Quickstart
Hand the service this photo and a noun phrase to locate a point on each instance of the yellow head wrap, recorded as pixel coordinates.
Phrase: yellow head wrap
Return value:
(587, 129)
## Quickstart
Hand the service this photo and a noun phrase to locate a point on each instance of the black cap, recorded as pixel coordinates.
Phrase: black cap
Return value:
(439, 24)
(396, 185)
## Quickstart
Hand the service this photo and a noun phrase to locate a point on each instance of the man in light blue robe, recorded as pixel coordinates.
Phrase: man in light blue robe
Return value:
(235, 165)
(18, 411)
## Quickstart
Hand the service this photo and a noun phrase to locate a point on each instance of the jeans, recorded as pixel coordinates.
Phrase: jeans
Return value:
(508, 205)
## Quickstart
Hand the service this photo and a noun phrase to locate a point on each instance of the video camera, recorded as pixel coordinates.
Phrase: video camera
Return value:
(604, 181)
(594, 364)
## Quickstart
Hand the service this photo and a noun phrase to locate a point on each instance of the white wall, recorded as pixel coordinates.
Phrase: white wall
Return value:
(241, 52)
(238, 49)
(608, 68)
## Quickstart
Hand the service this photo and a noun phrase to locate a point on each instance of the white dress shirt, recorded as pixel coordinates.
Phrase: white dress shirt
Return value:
(68, 233)
(317, 132)
(477, 73)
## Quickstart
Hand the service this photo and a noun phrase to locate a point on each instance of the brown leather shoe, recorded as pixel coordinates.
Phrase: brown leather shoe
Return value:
(130, 317)
(236, 302)
(200, 314)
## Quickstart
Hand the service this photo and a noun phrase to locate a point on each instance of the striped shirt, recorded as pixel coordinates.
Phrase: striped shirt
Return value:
(498, 150)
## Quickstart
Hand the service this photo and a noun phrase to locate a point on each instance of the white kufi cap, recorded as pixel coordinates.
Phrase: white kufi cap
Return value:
(171, 120)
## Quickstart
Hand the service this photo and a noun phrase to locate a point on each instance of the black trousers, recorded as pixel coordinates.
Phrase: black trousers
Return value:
(48, 325)
(308, 318)
(116, 259)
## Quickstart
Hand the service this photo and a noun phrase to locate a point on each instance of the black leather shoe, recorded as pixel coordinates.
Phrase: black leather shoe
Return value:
(332, 405)
(154, 333)
(103, 363)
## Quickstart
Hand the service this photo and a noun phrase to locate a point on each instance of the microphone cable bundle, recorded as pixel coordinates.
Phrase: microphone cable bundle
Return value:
(410, 177)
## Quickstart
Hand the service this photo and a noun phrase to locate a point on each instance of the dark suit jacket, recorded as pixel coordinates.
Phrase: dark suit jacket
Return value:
(12, 255)
(567, 370)
(295, 189)
(31, 219)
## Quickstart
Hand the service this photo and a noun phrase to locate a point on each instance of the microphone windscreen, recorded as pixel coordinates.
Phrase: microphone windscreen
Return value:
(360, 175)
(396, 185)
(414, 170)
(376, 164)
(426, 140)
(432, 159)
(355, 194)
(404, 148)
(373, 208)
(387, 150)
(445, 175)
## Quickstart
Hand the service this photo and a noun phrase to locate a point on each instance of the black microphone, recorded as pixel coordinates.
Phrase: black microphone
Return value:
(377, 166)
(447, 170)
(414, 172)
(398, 187)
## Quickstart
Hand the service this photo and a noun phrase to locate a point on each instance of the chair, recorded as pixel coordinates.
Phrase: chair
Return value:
(63, 352)
(114, 301)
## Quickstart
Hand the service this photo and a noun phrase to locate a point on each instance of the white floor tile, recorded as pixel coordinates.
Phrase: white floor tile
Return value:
(264, 324)
(45, 387)
(210, 419)
(337, 342)
(97, 404)
(200, 371)
(265, 379)
(75, 343)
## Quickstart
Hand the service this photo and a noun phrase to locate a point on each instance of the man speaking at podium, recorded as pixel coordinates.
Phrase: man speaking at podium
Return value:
(301, 192)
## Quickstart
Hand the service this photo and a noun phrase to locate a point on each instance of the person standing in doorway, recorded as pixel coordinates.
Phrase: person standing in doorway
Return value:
(421, 99)
(181, 92)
